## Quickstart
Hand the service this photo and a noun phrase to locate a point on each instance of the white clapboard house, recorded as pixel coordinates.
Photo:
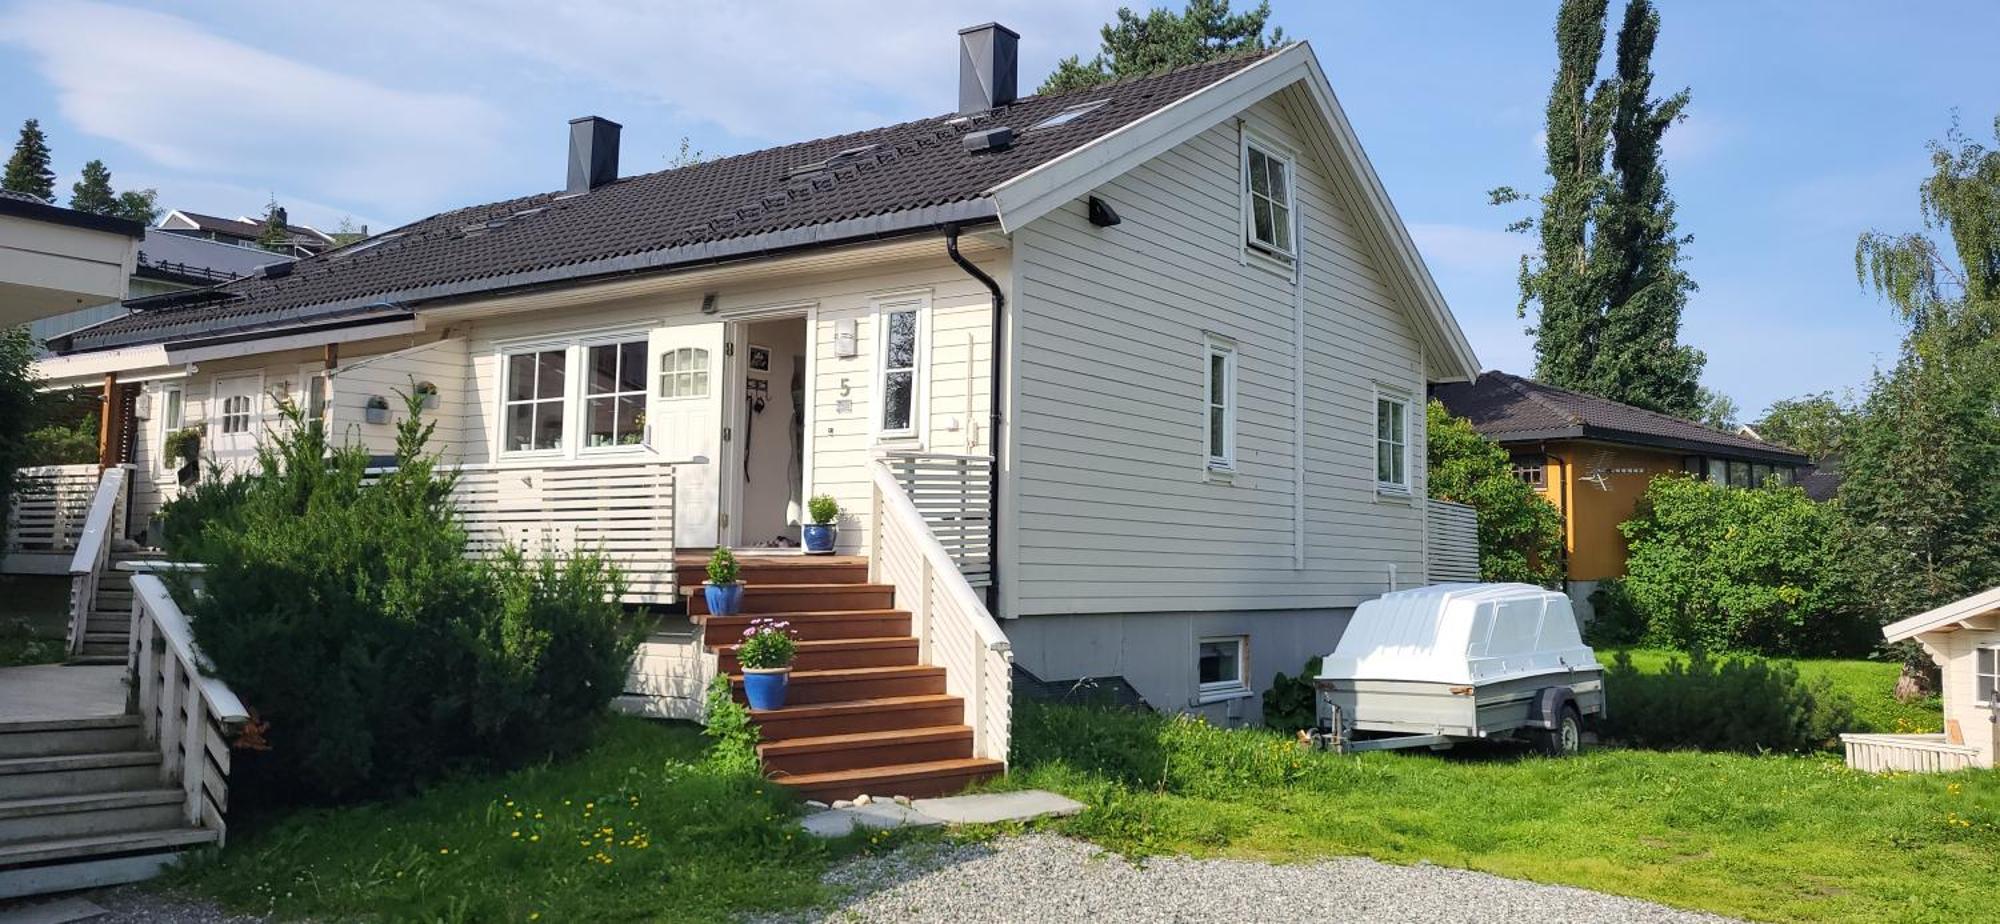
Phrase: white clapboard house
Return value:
(1209, 333)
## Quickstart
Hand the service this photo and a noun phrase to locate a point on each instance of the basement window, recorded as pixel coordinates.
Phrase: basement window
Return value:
(1220, 666)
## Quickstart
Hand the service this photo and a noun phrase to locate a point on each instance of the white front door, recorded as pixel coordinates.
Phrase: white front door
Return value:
(684, 424)
(236, 421)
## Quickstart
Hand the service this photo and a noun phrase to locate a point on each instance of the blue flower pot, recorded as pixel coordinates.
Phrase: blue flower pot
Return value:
(819, 538)
(765, 689)
(724, 599)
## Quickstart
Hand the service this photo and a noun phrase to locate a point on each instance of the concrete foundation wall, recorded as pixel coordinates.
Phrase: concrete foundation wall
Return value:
(1156, 652)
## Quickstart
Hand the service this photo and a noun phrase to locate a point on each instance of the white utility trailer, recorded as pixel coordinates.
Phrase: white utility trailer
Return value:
(1435, 665)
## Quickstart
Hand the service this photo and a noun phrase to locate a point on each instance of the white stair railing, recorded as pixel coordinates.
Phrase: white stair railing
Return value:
(48, 507)
(101, 525)
(191, 716)
(953, 495)
(953, 628)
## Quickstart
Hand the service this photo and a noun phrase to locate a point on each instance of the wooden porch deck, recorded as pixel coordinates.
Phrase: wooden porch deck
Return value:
(61, 692)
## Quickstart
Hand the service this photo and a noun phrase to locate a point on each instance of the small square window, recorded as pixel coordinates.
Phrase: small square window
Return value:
(1220, 667)
(1532, 470)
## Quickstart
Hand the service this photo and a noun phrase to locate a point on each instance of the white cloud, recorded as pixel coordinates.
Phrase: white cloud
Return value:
(196, 102)
(771, 72)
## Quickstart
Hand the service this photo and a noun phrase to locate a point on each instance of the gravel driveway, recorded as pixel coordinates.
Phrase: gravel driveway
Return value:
(1044, 879)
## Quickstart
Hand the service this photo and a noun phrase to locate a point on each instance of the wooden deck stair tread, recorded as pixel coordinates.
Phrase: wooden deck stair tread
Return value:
(101, 844)
(857, 739)
(857, 673)
(83, 802)
(820, 710)
(57, 762)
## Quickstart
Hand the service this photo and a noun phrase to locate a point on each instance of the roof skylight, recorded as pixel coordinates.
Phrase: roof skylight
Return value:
(1069, 114)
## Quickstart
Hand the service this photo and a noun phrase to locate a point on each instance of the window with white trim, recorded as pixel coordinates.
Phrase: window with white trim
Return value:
(614, 399)
(317, 399)
(532, 406)
(1267, 191)
(902, 332)
(1221, 667)
(173, 416)
(235, 416)
(1219, 403)
(684, 373)
(1392, 443)
(1986, 675)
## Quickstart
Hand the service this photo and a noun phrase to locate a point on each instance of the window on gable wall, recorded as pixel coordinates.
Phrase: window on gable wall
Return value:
(1219, 396)
(901, 329)
(534, 391)
(1267, 187)
(1392, 443)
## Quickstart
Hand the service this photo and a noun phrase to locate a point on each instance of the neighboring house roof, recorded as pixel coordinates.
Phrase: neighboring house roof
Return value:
(241, 228)
(1954, 615)
(24, 205)
(903, 179)
(198, 261)
(1510, 409)
(1821, 480)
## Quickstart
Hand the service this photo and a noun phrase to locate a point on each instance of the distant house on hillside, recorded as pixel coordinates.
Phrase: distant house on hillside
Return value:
(301, 240)
(167, 262)
(1593, 457)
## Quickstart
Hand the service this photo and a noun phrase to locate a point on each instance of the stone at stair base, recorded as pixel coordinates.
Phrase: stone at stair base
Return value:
(980, 808)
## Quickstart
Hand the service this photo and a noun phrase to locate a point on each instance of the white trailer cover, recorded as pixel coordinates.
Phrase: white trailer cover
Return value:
(1467, 634)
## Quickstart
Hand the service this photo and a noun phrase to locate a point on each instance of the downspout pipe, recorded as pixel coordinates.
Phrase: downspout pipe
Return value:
(993, 422)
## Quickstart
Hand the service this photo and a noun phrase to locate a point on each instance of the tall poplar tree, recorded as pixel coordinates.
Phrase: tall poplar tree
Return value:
(1607, 283)
(28, 169)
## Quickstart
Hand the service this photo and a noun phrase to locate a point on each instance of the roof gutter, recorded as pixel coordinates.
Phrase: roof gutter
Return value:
(997, 371)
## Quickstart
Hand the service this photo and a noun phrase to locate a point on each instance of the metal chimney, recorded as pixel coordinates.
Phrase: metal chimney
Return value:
(593, 153)
(988, 65)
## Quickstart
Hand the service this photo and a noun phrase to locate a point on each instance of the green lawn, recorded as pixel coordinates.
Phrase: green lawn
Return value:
(34, 619)
(1869, 685)
(1766, 838)
(632, 830)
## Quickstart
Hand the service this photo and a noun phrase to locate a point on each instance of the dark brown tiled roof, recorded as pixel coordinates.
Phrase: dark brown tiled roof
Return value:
(548, 236)
(1509, 409)
(246, 230)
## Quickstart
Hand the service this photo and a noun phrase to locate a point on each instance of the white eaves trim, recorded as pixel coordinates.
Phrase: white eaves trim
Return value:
(86, 365)
(79, 366)
(1037, 192)
(1948, 615)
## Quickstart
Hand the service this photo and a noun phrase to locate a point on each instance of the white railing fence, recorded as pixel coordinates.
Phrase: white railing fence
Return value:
(103, 523)
(1453, 540)
(953, 628)
(624, 511)
(953, 495)
(1907, 753)
(190, 716)
(49, 506)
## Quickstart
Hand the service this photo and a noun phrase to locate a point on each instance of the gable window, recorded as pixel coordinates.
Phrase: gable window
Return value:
(614, 398)
(1267, 189)
(1219, 666)
(902, 331)
(1986, 676)
(235, 417)
(1219, 397)
(533, 406)
(1392, 443)
(684, 373)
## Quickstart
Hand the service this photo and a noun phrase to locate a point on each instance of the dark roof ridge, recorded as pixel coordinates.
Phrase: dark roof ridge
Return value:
(1526, 387)
(1646, 411)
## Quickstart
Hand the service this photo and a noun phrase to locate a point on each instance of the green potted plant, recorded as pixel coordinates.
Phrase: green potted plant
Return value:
(724, 590)
(185, 444)
(766, 655)
(819, 534)
(376, 411)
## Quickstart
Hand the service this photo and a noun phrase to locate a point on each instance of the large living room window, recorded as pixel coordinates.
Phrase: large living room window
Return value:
(534, 393)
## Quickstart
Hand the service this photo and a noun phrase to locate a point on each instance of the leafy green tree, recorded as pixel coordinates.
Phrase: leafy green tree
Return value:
(92, 193)
(1520, 532)
(17, 402)
(140, 205)
(28, 169)
(1163, 39)
(276, 235)
(1815, 424)
(1608, 283)
(1717, 410)
(1731, 569)
(1919, 490)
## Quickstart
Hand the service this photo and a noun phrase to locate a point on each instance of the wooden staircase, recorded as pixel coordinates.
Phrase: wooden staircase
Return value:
(862, 715)
(107, 637)
(84, 803)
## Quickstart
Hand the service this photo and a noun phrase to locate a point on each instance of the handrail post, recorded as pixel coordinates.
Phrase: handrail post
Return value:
(921, 611)
(977, 702)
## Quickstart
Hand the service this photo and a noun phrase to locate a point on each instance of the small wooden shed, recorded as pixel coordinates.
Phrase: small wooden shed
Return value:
(1964, 639)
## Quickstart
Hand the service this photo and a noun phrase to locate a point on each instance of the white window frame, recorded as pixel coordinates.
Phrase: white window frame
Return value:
(575, 348)
(1224, 689)
(1983, 683)
(168, 410)
(1285, 257)
(308, 374)
(1214, 345)
(920, 304)
(1390, 488)
(647, 385)
(566, 400)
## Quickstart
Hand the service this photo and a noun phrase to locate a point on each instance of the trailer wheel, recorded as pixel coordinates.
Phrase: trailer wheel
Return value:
(1567, 737)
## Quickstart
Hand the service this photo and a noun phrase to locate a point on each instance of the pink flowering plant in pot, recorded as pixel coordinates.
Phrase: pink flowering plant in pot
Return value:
(766, 656)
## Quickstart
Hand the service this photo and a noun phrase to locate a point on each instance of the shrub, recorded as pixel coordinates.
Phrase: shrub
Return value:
(349, 617)
(722, 566)
(767, 645)
(727, 724)
(1292, 703)
(823, 508)
(1727, 569)
(1520, 532)
(1740, 703)
(215, 501)
(1615, 620)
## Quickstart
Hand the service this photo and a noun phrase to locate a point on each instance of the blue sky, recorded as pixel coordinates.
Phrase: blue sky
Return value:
(1807, 127)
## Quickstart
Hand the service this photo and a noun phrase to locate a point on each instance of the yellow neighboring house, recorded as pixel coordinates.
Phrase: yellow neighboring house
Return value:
(1593, 458)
